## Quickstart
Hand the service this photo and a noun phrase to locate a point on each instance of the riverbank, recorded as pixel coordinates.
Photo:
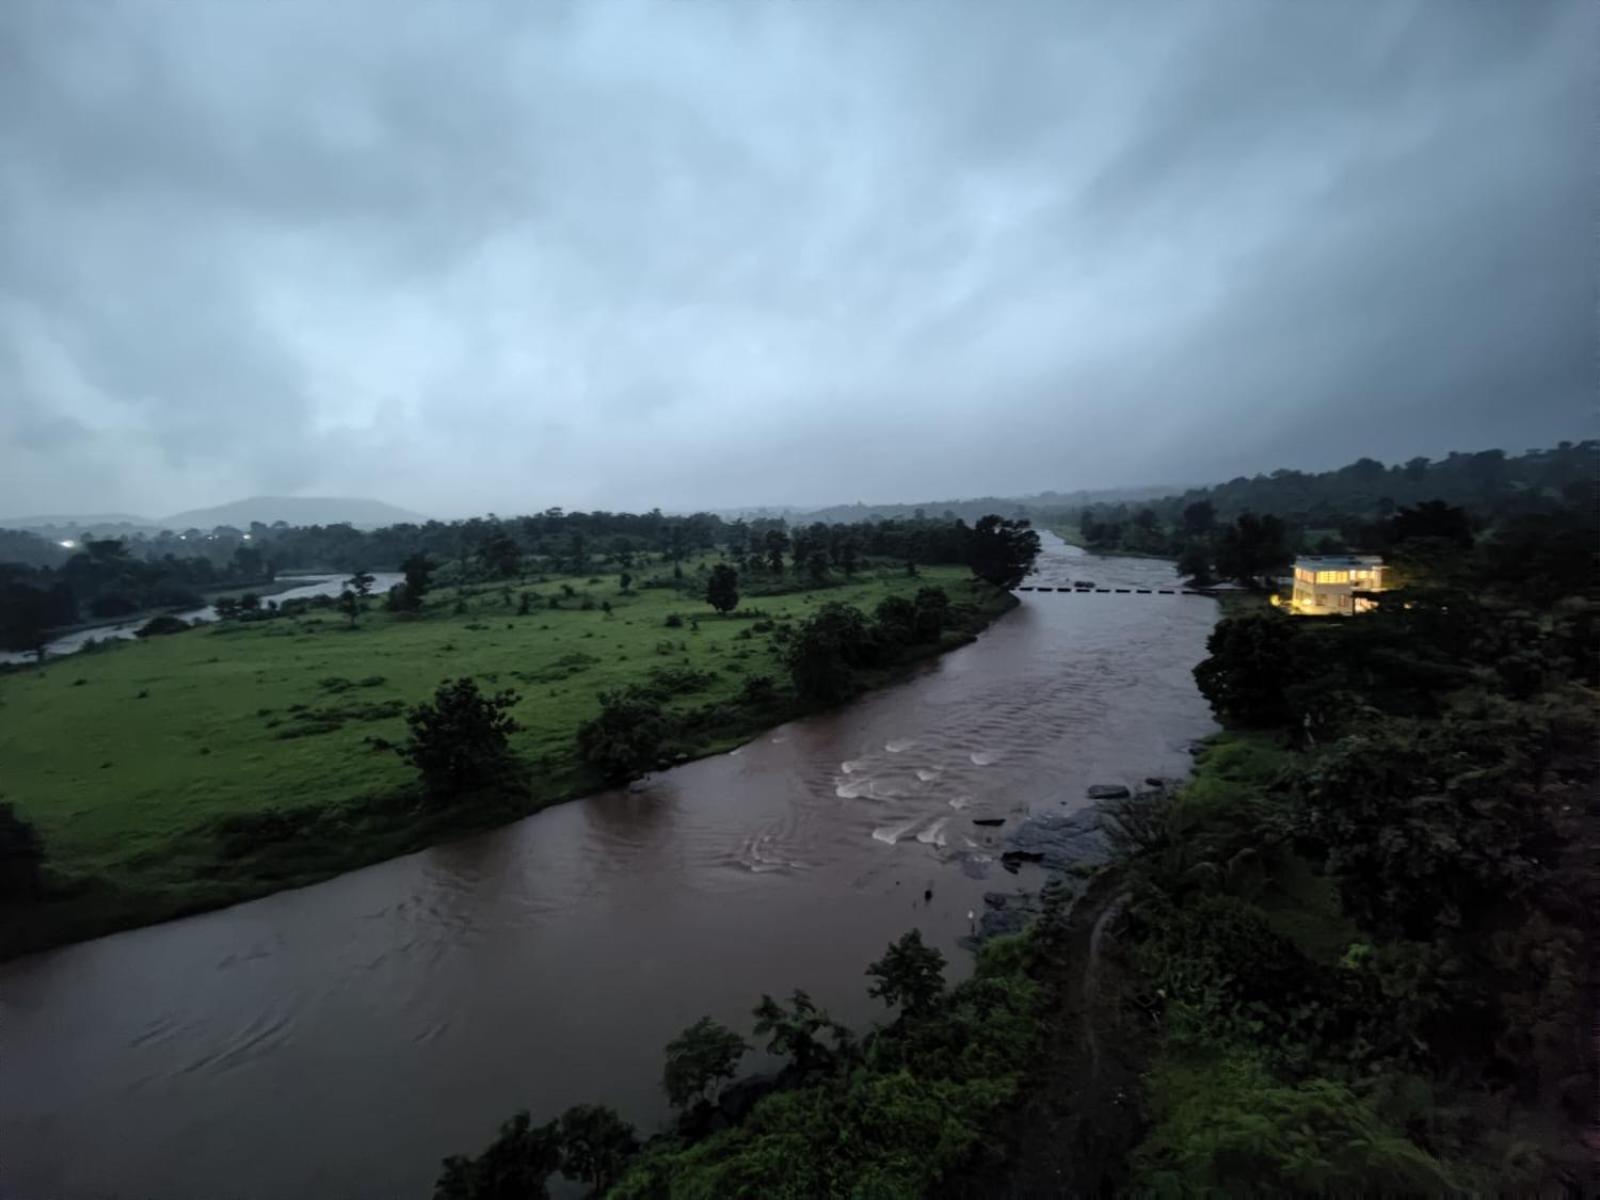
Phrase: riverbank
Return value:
(1073, 536)
(261, 587)
(255, 757)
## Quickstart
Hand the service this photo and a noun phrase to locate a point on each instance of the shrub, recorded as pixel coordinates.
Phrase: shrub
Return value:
(160, 626)
(675, 681)
(758, 691)
(1228, 1128)
(515, 1165)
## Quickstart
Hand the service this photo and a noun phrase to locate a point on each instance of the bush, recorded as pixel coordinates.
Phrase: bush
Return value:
(160, 626)
(515, 1166)
(460, 741)
(625, 739)
(759, 691)
(1227, 1128)
(677, 681)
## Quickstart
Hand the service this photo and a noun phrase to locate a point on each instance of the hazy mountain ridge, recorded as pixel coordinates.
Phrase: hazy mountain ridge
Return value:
(296, 510)
(969, 509)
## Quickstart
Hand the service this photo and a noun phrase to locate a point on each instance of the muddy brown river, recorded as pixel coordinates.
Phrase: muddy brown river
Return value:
(338, 1040)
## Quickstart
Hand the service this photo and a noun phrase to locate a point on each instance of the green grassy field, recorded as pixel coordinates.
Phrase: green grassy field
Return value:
(126, 757)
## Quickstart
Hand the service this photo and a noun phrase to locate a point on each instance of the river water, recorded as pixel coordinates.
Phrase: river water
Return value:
(306, 586)
(338, 1040)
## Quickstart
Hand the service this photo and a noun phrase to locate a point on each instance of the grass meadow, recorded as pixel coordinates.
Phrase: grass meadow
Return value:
(129, 758)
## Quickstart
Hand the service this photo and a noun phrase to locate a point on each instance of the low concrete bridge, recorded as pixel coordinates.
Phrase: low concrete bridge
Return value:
(1031, 587)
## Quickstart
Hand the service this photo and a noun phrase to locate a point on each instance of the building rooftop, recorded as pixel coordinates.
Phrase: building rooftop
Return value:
(1337, 562)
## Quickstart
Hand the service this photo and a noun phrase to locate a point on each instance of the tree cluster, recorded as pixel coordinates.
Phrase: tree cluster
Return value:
(892, 1113)
(1428, 764)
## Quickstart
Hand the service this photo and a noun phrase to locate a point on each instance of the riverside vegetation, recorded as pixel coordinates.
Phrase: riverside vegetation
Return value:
(1353, 955)
(287, 743)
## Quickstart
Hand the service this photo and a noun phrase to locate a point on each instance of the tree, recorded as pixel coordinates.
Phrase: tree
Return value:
(460, 741)
(933, 610)
(1199, 518)
(1251, 548)
(350, 605)
(1432, 519)
(896, 619)
(24, 619)
(698, 1059)
(227, 607)
(846, 554)
(1251, 664)
(624, 582)
(418, 570)
(775, 542)
(823, 654)
(1195, 564)
(501, 554)
(248, 562)
(1001, 552)
(361, 584)
(625, 739)
(515, 1166)
(596, 1145)
(910, 975)
(722, 588)
(794, 1032)
(21, 856)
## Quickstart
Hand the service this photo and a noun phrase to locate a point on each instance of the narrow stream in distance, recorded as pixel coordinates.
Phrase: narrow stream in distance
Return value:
(339, 1040)
(306, 586)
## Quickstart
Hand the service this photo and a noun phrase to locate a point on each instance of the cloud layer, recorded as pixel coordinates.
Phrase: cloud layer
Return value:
(622, 253)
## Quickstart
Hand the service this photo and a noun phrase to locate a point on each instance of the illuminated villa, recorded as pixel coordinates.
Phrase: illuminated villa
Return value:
(1326, 585)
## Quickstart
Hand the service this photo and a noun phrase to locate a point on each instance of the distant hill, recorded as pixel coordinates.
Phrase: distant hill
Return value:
(967, 510)
(67, 521)
(296, 510)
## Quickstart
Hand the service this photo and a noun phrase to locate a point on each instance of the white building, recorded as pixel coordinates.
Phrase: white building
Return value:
(1326, 585)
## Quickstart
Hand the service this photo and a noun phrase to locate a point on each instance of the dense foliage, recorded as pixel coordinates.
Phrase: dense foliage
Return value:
(1002, 551)
(21, 855)
(625, 739)
(104, 580)
(889, 1114)
(1367, 923)
(1248, 529)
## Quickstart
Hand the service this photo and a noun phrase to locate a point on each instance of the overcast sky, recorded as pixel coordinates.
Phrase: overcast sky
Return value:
(600, 253)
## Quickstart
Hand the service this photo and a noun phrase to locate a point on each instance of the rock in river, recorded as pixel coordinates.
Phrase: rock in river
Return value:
(1059, 841)
(1108, 791)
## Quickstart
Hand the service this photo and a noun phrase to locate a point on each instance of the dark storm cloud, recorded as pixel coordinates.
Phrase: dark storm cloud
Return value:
(706, 252)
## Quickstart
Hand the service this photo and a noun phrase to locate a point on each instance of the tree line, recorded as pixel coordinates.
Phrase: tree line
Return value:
(1246, 529)
(104, 581)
